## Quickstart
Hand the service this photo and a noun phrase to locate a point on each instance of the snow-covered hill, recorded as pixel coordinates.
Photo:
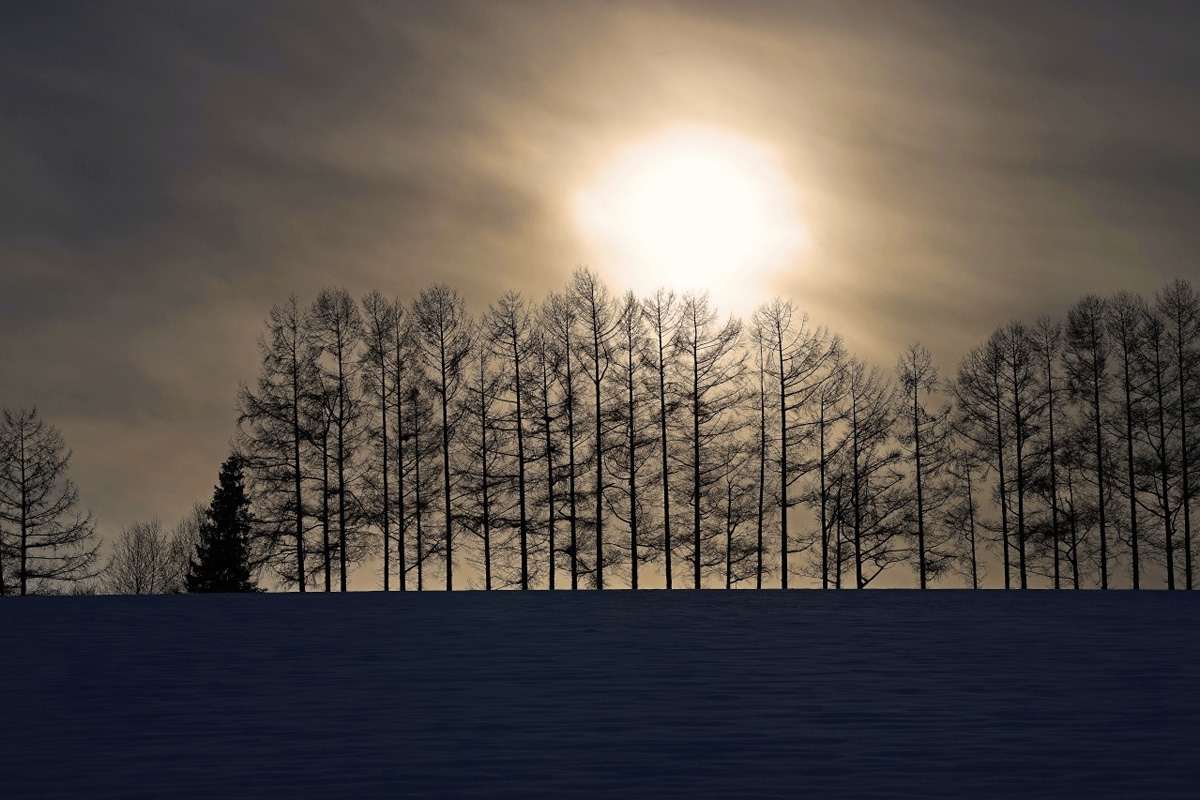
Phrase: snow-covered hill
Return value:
(612, 694)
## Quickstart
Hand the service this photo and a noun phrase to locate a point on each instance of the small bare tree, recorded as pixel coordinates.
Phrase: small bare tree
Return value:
(142, 561)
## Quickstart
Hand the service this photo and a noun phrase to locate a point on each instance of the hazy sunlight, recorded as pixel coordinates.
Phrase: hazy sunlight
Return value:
(693, 208)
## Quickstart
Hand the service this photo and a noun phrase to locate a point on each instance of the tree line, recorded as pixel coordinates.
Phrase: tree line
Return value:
(601, 440)
(590, 439)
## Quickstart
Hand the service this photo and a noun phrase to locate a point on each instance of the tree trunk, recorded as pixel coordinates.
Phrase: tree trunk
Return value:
(762, 457)
(401, 555)
(1053, 472)
(696, 454)
(783, 470)
(920, 485)
(1003, 487)
(524, 517)
(1100, 479)
(633, 522)
(387, 510)
(1183, 438)
(666, 475)
(599, 462)
(297, 487)
(446, 468)
(1133, 520)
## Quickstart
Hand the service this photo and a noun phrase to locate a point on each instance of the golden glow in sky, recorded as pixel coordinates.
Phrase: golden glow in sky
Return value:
(691, 208)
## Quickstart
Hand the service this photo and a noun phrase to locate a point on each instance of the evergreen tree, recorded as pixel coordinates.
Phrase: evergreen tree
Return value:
(222, 562)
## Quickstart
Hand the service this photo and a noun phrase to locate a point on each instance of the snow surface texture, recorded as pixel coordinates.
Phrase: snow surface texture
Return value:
(613, 694)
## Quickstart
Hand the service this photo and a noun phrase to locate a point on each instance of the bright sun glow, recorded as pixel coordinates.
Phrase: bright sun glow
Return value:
(692, 208)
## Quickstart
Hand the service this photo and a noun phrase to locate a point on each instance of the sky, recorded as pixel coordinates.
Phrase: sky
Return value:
(171, 170)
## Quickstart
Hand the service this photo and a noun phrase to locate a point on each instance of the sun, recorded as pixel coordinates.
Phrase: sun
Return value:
(691, 208)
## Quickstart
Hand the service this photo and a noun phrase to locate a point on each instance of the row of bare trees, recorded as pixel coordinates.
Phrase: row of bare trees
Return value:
(601, 440)
(1088, 431)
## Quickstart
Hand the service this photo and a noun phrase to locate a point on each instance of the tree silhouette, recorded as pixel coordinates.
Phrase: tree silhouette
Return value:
(560, 322)
(661, 311)
(222, 562)
(710, 378)
(44, 538)
(876, 496)
(481, 471)
(1022, 400)
(1047, 344)
(508, 329)
(1180, 305)
(381, 318)
(981, 423)
(337, 328)
(1159, 425)
(276, 427)
(545, 411)
(634, 434)
(1087, 352)
(830, 415)
(630, 419)
(143, 561)
(599, 322)
(800, 364)
(1125, 321)
(924, 435)
(964, 469)
(444, 336)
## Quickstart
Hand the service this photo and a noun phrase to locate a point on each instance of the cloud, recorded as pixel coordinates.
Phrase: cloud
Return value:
(171, 170)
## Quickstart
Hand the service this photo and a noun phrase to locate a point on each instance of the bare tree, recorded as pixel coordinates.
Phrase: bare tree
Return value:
(419, 431)
(405, 382)
(758, 336)
(965, 469)
(41, 529)
(321, 438)
(444, 336)
(1023, 402)
(711, 387)
(1047, 345)
(482, 473)
(870, 468)
(599, 322)
(801, 360)
(634, 436)
(661, 311)
(1159, 426)
(924, 434)
(981, 423)
(559, 322)
(829, 415)
(184, 538)
(1180, 306)
(337, 327)
(1126, 315)
(142, 562)
(731, 501)
(381, 319)
(1087, 352)
(275, 431)
(509, 329)
(544, 413)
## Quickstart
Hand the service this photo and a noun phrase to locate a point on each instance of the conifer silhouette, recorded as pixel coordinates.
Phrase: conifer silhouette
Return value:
(222, 562)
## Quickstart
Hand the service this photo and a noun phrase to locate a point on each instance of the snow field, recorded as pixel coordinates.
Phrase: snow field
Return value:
(603, 694)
